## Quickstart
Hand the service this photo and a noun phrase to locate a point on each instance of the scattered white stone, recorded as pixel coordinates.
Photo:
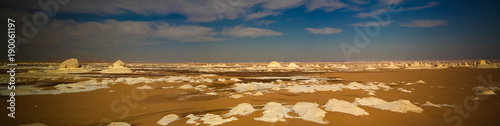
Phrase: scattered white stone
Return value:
(168, 119)
(370, 92)
(274, 112)
(236, 96)
(301, 88)
(420, 82)
(211, 93)
(241, 109)
(119, 124)
(401, 106)
(192, 119)
(69, 66)
(235, 79)
(310, 112)
(335, 105)
(118, 67)
(212, 119)
(201, 86)
(221, 80)
(482, 90)
(186, 86)
(244, 87)
(208, 75)
(404, 90)
(274, 64)
(258, 94)
(276, 88)
(428, 103)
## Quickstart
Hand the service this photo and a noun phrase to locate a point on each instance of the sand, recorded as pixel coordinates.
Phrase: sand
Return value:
(124, 102)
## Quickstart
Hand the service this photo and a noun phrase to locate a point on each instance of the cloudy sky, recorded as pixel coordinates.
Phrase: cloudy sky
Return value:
(259, 30)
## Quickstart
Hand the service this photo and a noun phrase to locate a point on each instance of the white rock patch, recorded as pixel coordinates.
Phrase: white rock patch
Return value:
(212, 119)
(241, 109)
(168, 119)
(274, 112)
(310, 112)
(401, 106)
(335, 105)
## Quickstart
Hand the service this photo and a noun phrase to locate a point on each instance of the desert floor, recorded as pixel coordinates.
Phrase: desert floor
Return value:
(144, 107)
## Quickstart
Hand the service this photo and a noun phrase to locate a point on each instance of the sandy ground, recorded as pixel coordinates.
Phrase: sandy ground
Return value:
(146, 107)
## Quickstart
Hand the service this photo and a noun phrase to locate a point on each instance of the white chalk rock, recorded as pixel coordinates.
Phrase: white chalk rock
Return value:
(274, 64)
(119, 124)
(168, 119)
(118, 67)
(335, 105)
(274, 112)
(310, 112)
(212, 119)
(241, 109)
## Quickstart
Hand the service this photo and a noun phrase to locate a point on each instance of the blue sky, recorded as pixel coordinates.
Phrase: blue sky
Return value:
(259, 30)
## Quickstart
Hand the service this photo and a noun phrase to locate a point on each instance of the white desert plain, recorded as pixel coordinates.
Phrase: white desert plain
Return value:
(275, 93)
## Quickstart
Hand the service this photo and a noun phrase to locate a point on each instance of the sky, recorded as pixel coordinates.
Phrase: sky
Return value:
(256, 30)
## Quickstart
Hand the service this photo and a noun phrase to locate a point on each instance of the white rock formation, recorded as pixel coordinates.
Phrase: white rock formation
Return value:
(401, 106)
(274, 112)
(370, 67)
(274, 64)
(241, 109)
(310, 112)
(343, 67)
(391, 66)
(186, 86)
(212, 119)
(69, 66)
(293, 65)
(119, 124)
(335, 105)
(118, 67)
(167, 119)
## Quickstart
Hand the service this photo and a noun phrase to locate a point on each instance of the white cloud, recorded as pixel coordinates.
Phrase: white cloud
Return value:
(325, 30)
(369, 14)
(194, 10)
(389, 2)
(383, 10)
(112, 32)
(124, 33)
(239, 31)
(263, 22)
(360, 1)
(260, 15)
(372, 24)
(282, 4)
(425, 23)
(326, 5)
(431, 4)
